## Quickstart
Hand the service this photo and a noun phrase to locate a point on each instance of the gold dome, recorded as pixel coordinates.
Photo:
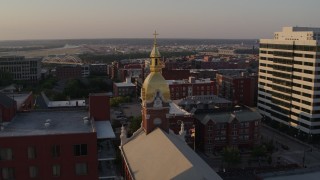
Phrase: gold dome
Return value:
(155, 81)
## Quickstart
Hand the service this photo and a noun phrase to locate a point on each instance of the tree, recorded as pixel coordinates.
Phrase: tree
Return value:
(135, 124)
(231, 156)
(259, 151)
(5, 78)
(116, 101)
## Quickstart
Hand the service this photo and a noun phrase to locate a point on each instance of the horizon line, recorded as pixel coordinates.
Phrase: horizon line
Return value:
(53, 39)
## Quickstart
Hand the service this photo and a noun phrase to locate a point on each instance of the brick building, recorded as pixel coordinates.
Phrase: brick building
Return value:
(126, 88)
(68, 71)
(220, 124)
(240, 88)
(175, 74)
(183, 88)
(57, 144)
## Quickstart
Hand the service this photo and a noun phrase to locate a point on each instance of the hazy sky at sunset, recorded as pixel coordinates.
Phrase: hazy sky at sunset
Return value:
(60, 19)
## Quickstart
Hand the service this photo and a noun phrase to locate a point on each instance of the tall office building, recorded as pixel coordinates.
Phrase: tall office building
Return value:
(289, 78)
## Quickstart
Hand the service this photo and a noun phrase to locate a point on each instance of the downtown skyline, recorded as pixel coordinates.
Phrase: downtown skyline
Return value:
(216, 19)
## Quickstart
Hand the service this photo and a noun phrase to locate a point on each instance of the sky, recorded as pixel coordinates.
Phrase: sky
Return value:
(205, 19)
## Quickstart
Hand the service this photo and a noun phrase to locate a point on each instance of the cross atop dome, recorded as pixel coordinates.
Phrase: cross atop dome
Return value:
(155, 52)
(155, 37)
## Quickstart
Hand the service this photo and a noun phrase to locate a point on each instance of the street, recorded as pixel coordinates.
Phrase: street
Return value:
(291, 150)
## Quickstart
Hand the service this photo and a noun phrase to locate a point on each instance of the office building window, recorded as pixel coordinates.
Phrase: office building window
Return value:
(6, 154)
(56, 170)
(55, 151)
(32, 152)
(80, 149)
(7, 173)
(33, 171)
(81, 169)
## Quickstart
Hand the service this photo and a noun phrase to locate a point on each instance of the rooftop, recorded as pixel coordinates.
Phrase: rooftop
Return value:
(20, 98)
(148, 159)
(243, 115)
(33, 123)
(186, 81)
(176, 110)
(299, 29)
(205, 99)
(124, 84)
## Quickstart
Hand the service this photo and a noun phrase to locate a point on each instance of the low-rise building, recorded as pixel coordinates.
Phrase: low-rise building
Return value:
(68, 71)
(240, 128)
(126, 88)
(192, 87)
(219, 124)
(240, 88)
(21, 68)
(57, 144)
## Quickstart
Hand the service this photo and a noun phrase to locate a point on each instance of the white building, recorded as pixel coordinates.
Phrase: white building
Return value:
(289, 78)
(21, 68)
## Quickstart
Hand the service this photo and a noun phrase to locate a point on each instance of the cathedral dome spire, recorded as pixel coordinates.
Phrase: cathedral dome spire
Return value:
(155, 52)
(155, 82)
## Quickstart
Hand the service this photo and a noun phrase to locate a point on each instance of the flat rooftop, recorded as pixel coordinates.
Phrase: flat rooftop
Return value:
(125, 84)
(33, 123)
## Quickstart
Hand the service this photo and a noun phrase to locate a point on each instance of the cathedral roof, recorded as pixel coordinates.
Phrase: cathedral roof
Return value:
(161, 155)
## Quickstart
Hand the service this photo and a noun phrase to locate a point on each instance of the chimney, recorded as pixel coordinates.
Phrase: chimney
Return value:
(99, 106)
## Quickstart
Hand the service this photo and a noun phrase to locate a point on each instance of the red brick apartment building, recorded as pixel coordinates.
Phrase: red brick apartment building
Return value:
(57, 145)
(240, 88)
(192, 87)
(220, 124)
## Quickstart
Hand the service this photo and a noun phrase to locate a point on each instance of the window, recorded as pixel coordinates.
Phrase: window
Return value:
(33, 171)
(56, 170)
(234, 126)
(210, 127)
(80, 149)
(55, 151)
(81, 169)
(7, 173)
(31, 152)
(6, 154)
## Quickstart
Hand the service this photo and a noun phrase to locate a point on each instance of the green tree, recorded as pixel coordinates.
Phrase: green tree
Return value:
(259, 151)
(135, 124)
(5, 78)
(116, 101)
(231, 156)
